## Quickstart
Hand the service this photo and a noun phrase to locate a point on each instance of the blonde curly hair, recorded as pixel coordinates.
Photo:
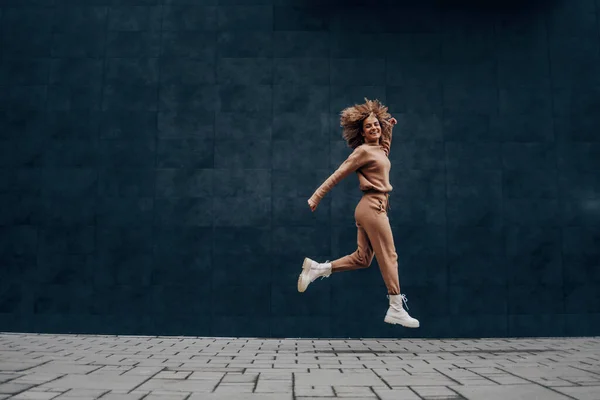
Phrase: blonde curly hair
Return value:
(351, 120)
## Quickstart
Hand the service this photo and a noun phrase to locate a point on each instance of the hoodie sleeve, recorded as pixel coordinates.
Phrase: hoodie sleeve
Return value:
(355, 160)
(386, 143)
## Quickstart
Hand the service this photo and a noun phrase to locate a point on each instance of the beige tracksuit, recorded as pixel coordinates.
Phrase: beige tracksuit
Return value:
(371, 163)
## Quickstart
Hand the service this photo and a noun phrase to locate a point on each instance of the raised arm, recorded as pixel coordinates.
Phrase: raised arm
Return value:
(354, 161)
(386, 141)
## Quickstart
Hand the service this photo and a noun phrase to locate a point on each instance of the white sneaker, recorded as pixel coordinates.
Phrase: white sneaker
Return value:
(396, 313)
(311, 270)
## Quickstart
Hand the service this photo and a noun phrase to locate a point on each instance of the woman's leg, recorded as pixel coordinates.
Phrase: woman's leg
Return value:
(361, 258)
(379, 231)
(377, 226)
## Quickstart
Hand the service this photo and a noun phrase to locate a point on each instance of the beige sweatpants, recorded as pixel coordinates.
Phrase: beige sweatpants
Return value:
(374, 239)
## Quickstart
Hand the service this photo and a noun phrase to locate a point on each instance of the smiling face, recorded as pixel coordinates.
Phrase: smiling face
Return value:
(371, 130)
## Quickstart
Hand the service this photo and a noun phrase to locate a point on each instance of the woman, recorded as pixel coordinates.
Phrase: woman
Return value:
(367, 128)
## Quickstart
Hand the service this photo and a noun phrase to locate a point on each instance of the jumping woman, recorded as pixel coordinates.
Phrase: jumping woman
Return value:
(367, 128)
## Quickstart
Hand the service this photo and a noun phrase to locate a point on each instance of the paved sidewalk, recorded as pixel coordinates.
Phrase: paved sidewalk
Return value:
(177, 368)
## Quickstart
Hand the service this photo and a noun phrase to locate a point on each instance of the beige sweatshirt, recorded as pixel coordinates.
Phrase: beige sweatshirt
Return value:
(370, 162)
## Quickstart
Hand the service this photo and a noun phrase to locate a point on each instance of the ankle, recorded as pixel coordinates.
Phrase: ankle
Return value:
(326, 265)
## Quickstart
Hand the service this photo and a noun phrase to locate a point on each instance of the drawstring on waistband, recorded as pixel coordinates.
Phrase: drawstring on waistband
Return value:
(387, 197)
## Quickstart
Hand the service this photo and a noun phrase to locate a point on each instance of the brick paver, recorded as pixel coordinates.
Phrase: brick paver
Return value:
(45, 367)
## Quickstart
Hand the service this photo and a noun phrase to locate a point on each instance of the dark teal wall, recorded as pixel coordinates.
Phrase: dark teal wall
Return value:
(156, 157)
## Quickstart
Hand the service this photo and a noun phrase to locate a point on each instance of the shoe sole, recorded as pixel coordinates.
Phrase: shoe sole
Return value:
(303, 281)
(394, 321)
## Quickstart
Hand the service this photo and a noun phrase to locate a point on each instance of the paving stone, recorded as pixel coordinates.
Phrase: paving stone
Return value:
(242, 396)
(204, 375)
(63, 368)
(37, 378)
(173, 374)
(315, 398)
(581, 393)
(225, 388)
(551, 382)
(239, 378)
(419, 380)
(8, 377)
(143, 371)
(479, 382)
(174, 385)
(106, 382)
(436, 392)
(13, 388)
(207, 367)
(508, 380)
(582, 380)
(167, 396)
(363, 392)
(140, 393)
(396, 394)
(111, 370)
(314, 391)
(273, 386)
(83, 394)
(336, 378)
(275, 375)
(120, 396)
(33, 395)
(512, 392)
(17, 366)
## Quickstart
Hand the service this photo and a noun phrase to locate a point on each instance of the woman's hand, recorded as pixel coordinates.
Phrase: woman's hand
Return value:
(312, 205)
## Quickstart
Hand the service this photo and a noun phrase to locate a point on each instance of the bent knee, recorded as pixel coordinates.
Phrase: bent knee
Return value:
(364, 262)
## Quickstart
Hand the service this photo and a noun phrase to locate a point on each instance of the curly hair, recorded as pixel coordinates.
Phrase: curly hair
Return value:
(351, 120)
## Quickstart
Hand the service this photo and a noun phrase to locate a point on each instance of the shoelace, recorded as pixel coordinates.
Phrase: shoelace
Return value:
(405, 300)
(322, 276)
(326, 262)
